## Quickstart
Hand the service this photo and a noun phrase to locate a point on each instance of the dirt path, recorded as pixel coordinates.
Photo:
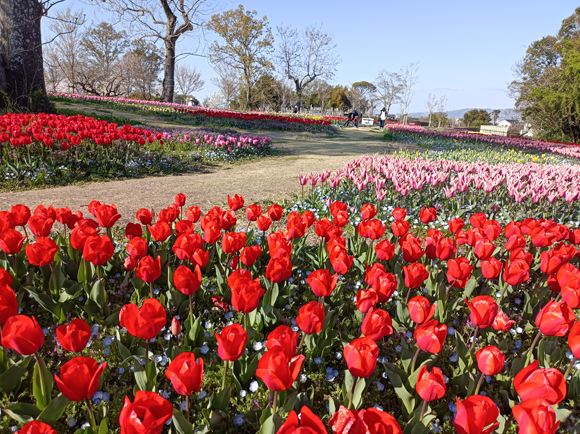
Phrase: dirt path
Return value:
(273, 178)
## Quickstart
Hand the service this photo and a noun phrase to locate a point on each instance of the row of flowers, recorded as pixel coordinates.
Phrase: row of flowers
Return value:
(468, 328)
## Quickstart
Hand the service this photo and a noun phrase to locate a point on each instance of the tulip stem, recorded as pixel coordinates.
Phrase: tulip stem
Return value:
(352, 393)
(187, 406)
(147, 357)
(479, 383)
(275, 403)
(246, 322)
(423, 411)
(472, 345)
(91, 414)
(14, 265)
(151, 289)
(532, 349)
(225, 375)
(191, 304)
(415, 360)
(40, 375)
(569, 368)
(301, 341)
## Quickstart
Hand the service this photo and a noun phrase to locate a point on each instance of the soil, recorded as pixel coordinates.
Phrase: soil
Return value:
(269, 179)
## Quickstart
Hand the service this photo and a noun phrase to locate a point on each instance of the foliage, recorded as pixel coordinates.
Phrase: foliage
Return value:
(476, 118)
(247, 43)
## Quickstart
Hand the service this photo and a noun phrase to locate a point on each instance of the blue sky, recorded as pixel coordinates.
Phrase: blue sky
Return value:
(465, 49)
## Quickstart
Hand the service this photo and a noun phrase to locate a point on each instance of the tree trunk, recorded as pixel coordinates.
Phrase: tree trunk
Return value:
(168, 71)
(21, 53)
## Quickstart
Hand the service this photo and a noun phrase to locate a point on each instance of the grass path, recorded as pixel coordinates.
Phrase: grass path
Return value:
(273, 178)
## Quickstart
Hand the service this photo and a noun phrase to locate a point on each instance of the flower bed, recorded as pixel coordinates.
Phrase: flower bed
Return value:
(38, 150)
(509, 190)
(181, 319)
(421, 135)
(205, 115)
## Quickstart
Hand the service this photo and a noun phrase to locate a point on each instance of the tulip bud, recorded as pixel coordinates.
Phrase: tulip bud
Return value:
(175, 327)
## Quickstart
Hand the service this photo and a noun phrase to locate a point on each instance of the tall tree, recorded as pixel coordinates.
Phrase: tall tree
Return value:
(495, 113)
(476, 118)
(165, 21)
(246, 47)
(21, 64)
(306, 55)
(188, 80)
(409, 79)
(228, 83)
(362, 95)
(547, 84)
(142, 64)
(339, 98)
(389, 88)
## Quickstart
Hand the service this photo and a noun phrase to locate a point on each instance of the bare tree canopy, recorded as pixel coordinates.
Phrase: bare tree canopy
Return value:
(306, 55)
(409, 79)
(389, 88)
(163, 20)
(228, 83)
(187, 80)
(247, 44)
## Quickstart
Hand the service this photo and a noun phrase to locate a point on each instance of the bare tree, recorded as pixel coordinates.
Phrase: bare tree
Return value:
(188, 80)
(389, 88)
(162, 20)
(409, 80)
(67, 47)
(227, 81)
(305, 56)
(441, 111)
(53, 74)
(431, 105)
(322, 89)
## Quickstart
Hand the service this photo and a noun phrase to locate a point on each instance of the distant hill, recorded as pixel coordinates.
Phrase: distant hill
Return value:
(505, 113)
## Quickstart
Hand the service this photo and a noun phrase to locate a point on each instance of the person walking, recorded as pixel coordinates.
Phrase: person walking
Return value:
(382, 118)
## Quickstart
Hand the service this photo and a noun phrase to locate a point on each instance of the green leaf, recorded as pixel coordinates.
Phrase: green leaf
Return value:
(11, 378)
(462, 352)
(42, 399)
(140, 376)
(397, 378)
(22, 412)
(103, 428)
(54, 410)
(271, 425)
(182, 425)
(222, 399)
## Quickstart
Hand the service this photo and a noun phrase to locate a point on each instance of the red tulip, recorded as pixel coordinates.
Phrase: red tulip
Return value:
(368, 211)
(430, 336)
(399, 214)
(8, 302)
(200, 257)
(22, 334)
(129, 263)
(483, 249)
(228, 220)
(250, 255)
(296, 227)
(149, 269)
(235, 203)
(187, 281)
(253, 212)
(74, 337)
(574, 340)
(340, 260)
(446, 249)
(107, 215)
(284, 338)
(231, 342)
(264, 222)
(412, 251)
(175, 327)
(535, 416)
(477, 414)
(428, 215)
(133, 230)
(278, 246)
(515, 242)
(145, 322)
(275, 212)
(246, 293)
(180, 199)
(146, 415)
(377, 324)
(490, 360)
(186, 245)
(40, 226)
(37, 427)
(98, 249)
(11, 241)
(5, 277)
(185, 374)
(311, 318)
(455, 225)
(80, 378)
(308, 218)
(85, 228)
(555, 319)
(502, 322)
(366, 299)
(233, 242)
(137, 248)
(385, 250)
(491, 268)
(42, 252)
(193, 213)
(145, 216)
(371, 229)
(483, 310)
(21, 214)
(279, 269)
(415, 275)
(533, 382)
(492, 229)
(322, 282)
(420, 310)
(160, 231)
(361, 357)
(277, 370)
(308, 423)
(458, 272)
(430, 385)
(568, 278)
(369, 421)
(552, 261)
(516, 272)
(341, 219)
(400, 228)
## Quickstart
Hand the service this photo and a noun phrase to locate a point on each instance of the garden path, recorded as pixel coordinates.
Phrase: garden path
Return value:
(269, 179)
